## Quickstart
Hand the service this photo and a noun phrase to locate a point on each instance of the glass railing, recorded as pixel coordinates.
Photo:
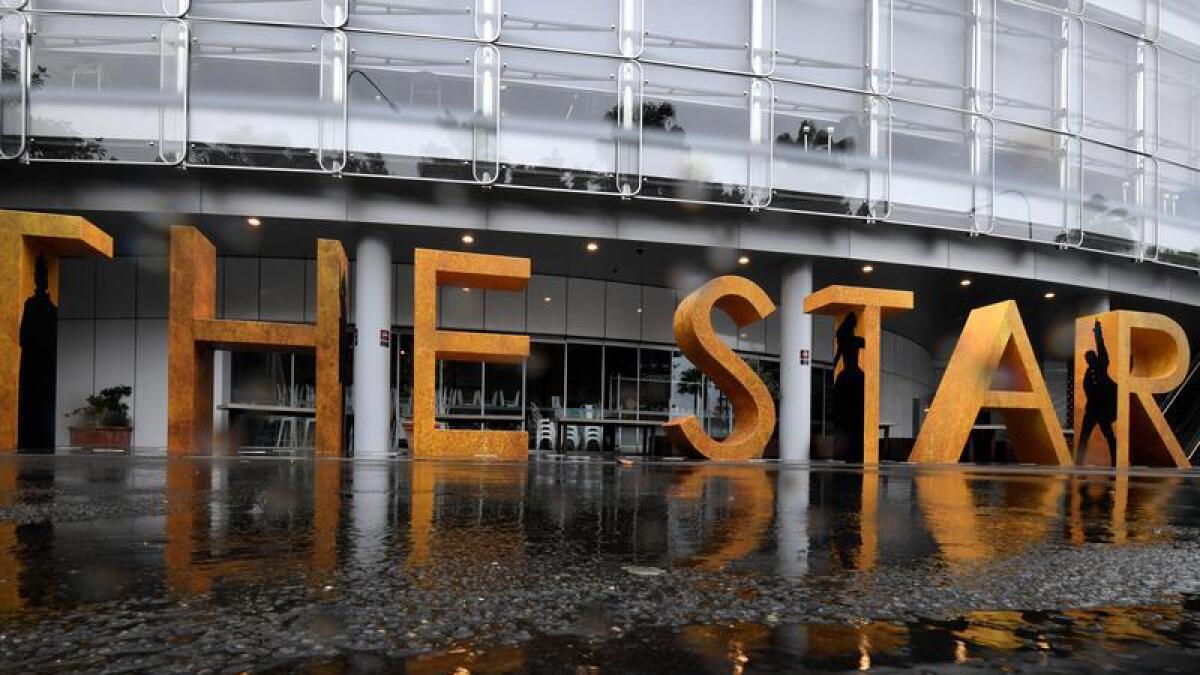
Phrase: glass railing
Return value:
(1066, 122)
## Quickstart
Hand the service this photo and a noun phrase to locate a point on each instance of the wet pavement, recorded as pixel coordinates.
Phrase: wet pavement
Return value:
(114, 564)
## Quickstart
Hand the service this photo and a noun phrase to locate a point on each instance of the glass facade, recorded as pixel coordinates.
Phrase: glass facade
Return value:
(1067, 122)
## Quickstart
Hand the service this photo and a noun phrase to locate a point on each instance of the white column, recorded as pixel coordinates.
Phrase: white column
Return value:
(372, 357)
(795, 386)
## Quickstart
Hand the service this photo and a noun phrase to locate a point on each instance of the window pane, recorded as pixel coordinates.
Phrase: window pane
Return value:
(822, 160)
(687, 387)
(1179, 213)
(544, 376)
(620, 382)
(256, 96)
(502, 389)
(412, 110)
(654, 395)
(13, 68)
(296, 12)
(1133, 16)
(696, 129)
(151, 7)
(1111, 75)
(108, 89)
(560, 116)
(1179, 91)
(1037, 184)
(1114, 181)
(838, 53)
(941, 166)
(1027, 48)
(584, 377)
(1179, 22)
(591, 26)
(711, 33)
(460, 388)
(471, 19)
(931, 48)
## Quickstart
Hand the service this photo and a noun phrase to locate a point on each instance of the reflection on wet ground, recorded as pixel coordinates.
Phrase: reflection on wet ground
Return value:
(584, 566)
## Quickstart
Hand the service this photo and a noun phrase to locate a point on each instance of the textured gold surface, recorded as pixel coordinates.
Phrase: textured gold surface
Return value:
(871, 305)
(1149, 354)
(993, 366)
(23, 237)
(753, 408)
(469, 270)
(194, 332)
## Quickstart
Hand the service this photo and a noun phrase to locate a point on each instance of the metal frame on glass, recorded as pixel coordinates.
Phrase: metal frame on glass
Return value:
(1131, 138)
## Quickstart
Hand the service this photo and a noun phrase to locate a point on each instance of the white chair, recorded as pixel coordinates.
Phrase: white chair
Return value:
(592, 434)
(543, 428)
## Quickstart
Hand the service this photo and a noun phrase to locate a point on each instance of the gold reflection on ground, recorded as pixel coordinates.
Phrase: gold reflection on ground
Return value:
(724, 647)
(195, 557)
(433, 482)
(10, 563)
(970, 531)
(749, 512)
(1114, 510)
(463, 661)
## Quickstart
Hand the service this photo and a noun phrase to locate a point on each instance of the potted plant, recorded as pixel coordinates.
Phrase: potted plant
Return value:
(104, 422)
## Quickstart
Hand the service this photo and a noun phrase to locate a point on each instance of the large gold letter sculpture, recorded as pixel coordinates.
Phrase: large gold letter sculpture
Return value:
(993, 366)
(753, 408)
(867, 306)
(1121, 360)
(469, 270)
(24, 237)
(194, 332)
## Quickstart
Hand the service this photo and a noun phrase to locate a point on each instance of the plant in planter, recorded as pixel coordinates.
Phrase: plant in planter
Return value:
(104, 422)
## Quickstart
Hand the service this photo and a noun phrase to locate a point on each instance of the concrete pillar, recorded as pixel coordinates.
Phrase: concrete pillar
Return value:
(795, 386)
(372, 354)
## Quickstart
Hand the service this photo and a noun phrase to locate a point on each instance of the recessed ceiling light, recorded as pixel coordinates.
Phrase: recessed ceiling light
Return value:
(1050, 295)
(868, 268)
(592, 247)
(253, 222)
(466, 290)
(546, 299)
(964, 283)
(468, 239)
(744, 260)
(639, 310)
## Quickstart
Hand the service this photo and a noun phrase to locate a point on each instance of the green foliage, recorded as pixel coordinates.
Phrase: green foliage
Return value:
(106, 409)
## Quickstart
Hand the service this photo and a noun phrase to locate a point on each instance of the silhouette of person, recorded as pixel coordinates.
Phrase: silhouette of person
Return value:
(39, 366)
(849, 389)
(1100, 398)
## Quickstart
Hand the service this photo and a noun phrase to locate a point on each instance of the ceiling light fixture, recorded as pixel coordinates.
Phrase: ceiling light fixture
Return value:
(867, 269)
(964, 283)
(468, 239)
(592, 247)
(546, 299)
(744, 260)
(1050, 295)
(253, 222)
